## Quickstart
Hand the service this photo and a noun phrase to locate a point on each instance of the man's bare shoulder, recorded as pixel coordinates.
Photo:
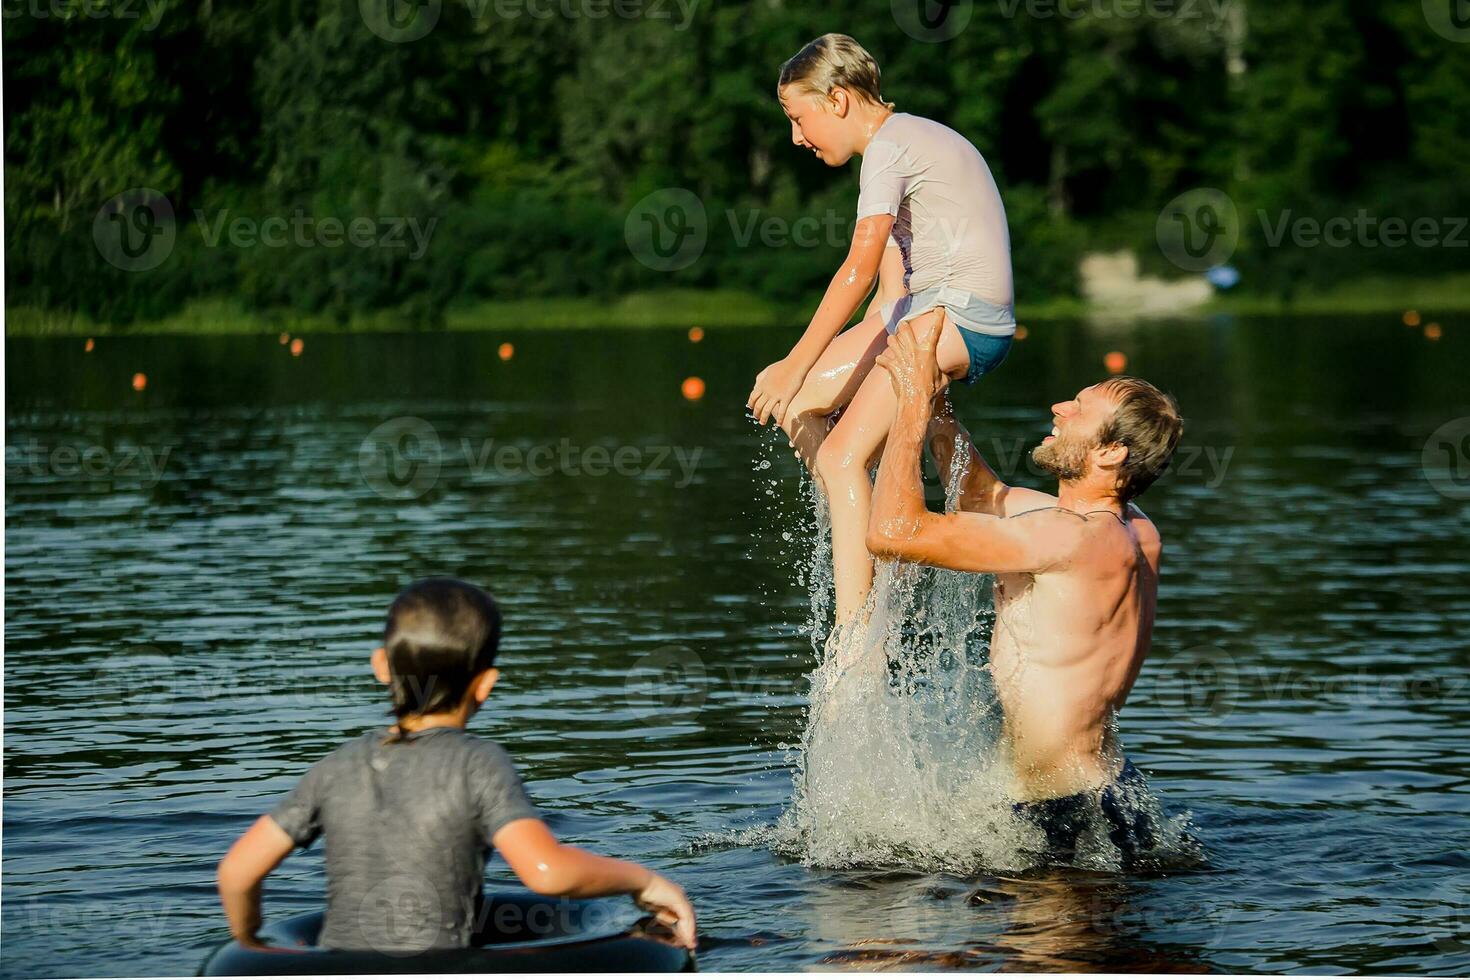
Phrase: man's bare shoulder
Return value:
(1015, 501)
(1147, 535)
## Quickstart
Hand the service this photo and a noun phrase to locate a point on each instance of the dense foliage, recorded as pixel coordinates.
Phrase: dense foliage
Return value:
(515, 136)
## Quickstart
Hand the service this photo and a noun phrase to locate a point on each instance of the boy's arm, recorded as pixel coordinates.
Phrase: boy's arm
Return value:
(778, 384)
(548, 867)
(241, 871)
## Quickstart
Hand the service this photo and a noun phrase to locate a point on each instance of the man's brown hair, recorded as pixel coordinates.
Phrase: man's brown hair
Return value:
(1147, 423)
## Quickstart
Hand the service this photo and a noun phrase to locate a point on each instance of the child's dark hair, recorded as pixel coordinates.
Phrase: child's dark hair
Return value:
(441, 634)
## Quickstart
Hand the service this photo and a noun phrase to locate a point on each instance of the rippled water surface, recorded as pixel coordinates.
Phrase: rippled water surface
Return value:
(197, 572)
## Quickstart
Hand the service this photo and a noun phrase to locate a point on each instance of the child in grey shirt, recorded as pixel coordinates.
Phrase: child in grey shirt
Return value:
(410, 813)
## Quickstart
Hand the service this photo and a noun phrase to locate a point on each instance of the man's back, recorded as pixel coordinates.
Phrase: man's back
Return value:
(1067, 648)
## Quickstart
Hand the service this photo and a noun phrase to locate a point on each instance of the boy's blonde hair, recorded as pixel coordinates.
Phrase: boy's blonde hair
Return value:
(832, 60)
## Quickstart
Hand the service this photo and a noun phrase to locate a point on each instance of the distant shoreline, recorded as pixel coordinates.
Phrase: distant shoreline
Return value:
(681, 309)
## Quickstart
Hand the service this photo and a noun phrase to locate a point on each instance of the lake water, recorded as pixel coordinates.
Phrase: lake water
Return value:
(197, 572)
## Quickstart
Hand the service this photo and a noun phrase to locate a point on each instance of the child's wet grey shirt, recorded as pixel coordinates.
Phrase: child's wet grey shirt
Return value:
(408, 828)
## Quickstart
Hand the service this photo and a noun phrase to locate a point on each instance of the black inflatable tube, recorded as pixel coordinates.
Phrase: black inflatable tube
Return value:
(527, 933)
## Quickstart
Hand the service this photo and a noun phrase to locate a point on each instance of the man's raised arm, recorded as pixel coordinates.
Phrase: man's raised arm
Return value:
(901, 526)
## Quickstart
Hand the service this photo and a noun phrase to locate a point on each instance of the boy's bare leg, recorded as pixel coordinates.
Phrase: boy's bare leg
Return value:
(809, 420)
(831, 383)
(844, 459)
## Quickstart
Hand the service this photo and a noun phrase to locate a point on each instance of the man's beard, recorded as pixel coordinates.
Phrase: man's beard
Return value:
(1062, 458)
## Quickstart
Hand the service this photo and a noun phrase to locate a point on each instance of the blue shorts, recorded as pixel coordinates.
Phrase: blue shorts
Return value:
(1126, 821)
(987, 329)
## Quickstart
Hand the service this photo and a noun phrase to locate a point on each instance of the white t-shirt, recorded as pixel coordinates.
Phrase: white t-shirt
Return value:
(948, 218)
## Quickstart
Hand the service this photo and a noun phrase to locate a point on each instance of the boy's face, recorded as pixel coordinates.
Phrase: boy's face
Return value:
(820, 124)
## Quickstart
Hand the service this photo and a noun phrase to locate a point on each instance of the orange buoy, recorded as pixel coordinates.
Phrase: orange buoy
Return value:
(696, 334)
(1115, 362)
(140, 381)
(89, 345)
(285, 338)
(297, 346)
(1411, 318)
(1432, 331)
(1022, 333)
(506, 351)
(693, 388)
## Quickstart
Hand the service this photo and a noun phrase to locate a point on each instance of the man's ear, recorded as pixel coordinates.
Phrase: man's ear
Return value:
(839, 101)
(482, 684)
(1110, 456)
(380, 665)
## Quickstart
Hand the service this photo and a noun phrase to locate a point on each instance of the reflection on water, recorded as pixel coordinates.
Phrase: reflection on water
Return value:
(186, 631)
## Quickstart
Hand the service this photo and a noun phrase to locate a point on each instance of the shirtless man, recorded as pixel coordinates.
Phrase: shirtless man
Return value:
(1076, 577)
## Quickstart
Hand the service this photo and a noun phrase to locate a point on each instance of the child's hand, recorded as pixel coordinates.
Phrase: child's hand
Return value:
(775, 387)
(669, 905)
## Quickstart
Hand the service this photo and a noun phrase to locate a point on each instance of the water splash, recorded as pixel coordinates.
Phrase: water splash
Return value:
(900, 762)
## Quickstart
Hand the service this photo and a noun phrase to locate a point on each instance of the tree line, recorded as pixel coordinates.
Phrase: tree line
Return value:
(298, 145)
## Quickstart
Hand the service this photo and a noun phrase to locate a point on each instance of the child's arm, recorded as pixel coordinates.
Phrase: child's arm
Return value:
(549, 867)
(241, 871)
(778, 384)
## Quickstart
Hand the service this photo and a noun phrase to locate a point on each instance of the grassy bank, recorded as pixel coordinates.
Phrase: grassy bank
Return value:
(678, 309)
